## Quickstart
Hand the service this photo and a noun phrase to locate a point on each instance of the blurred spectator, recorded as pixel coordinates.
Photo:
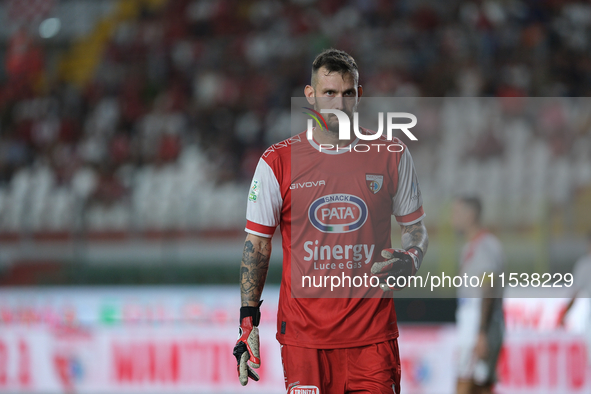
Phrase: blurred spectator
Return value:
(109, 188)
(24, 63)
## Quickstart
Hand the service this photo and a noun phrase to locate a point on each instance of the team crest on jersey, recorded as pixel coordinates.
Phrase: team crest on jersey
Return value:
(304, 390)
(374, 182)
(338, 213)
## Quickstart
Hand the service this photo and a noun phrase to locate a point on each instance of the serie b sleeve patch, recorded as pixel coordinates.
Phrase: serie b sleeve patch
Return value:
(263, 207)
(255, 188)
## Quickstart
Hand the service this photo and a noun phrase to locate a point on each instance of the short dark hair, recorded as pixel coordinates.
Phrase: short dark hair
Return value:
(335, 60)
(474, 203)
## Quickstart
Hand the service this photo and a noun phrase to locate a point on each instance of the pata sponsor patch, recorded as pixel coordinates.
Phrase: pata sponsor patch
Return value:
(338, 213)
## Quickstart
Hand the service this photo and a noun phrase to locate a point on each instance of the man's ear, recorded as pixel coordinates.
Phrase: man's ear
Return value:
(309, 93)
(359, 91)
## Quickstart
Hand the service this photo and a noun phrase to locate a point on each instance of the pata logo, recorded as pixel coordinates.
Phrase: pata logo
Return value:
(338, 213)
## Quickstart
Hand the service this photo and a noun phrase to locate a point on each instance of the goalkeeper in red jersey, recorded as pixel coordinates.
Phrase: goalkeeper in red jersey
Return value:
(340, 223)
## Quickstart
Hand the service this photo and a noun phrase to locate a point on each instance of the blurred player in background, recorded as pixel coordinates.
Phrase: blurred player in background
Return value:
(581, 288)
(479, 317)
(330, 345)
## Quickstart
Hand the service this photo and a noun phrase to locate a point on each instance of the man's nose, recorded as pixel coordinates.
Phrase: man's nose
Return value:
(338, 102)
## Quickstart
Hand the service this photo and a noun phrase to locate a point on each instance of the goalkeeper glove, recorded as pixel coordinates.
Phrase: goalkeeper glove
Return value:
(399, 262)
(247, 346)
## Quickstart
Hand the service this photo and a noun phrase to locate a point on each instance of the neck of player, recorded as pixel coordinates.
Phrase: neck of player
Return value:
(327, 137)
(473, 231)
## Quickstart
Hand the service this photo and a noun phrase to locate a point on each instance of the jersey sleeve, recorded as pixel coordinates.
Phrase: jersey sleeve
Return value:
(407, 204)
(491, 257)
(263, 208)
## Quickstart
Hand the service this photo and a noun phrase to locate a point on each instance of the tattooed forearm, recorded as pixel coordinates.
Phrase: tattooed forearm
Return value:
(415, 235)
(253, 268)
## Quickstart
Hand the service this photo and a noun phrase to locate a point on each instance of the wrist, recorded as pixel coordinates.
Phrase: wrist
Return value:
(417, 255)
(251, 311)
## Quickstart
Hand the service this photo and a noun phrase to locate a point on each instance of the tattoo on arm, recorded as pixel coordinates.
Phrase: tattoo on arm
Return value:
(415, 235)
(253, 270)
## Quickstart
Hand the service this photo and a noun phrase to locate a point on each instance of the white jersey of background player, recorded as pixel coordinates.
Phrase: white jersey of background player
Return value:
(582, 288)
(479, 316)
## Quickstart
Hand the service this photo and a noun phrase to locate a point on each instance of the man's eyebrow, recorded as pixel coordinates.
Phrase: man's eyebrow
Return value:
(351, 90)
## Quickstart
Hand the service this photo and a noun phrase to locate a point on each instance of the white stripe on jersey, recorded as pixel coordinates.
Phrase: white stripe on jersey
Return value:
(257, 233)
(408, 194)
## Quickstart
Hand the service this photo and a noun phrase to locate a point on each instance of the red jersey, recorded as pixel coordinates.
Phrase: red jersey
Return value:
(334, 209)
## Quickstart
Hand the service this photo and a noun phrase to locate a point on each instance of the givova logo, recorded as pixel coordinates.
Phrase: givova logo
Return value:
(338, 213)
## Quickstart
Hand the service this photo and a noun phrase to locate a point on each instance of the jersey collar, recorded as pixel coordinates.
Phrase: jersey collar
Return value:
(333, 151)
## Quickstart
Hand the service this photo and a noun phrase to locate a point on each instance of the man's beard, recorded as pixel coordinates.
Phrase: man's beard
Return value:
(333, 122)
(333, 125)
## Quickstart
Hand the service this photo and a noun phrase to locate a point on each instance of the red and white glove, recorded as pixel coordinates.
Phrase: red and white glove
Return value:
(398, 262)
(247, 347)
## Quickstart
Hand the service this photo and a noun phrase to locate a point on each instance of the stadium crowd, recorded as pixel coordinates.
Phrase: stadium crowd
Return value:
(209, 82)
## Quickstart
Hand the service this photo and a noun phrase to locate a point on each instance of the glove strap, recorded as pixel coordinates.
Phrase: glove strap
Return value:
(253, 311)
(417, 254)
